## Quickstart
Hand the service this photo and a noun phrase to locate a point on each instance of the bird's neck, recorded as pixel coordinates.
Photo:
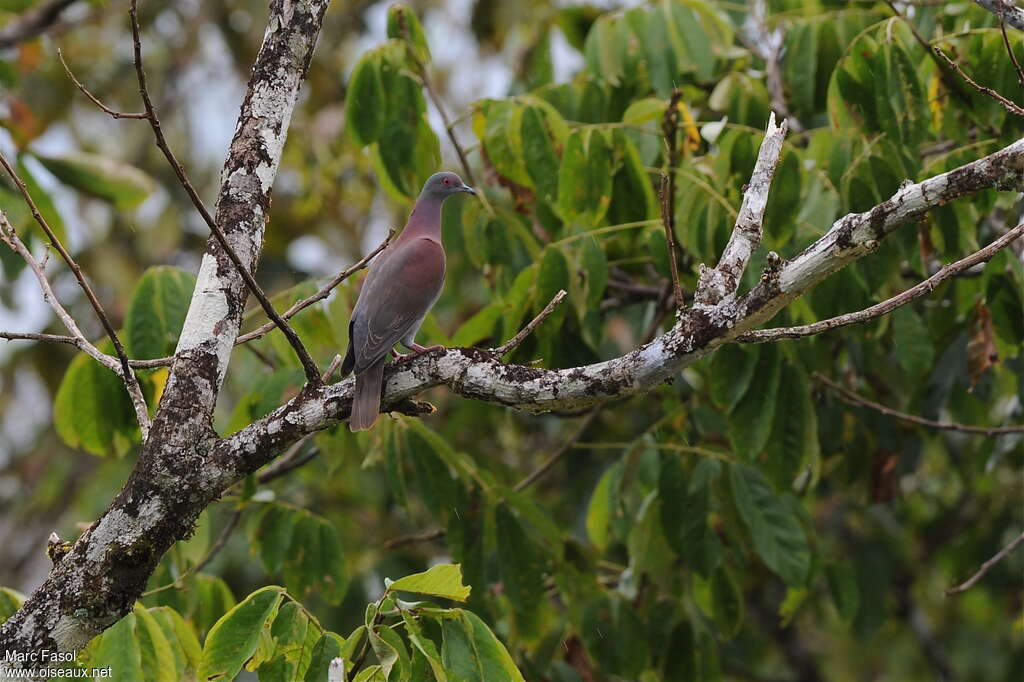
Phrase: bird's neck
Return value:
(424, 221)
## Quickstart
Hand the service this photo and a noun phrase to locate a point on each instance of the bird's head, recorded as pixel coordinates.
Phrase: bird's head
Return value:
(440, 186)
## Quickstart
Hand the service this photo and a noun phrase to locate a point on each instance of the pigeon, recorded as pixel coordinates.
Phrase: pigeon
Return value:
(402, 286)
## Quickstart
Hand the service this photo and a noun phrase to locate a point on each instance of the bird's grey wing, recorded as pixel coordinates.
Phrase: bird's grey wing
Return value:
(395, 298)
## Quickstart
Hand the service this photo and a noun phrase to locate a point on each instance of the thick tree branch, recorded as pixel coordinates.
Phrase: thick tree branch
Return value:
(185, 466)
(97, 582)
(858, 400)
(722, 281)
(33, 22)
(308, 365)
(887, 306)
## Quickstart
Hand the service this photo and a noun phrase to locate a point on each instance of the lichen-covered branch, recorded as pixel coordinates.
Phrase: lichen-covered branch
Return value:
(1006, 11)
(722, 281)
(98, 580)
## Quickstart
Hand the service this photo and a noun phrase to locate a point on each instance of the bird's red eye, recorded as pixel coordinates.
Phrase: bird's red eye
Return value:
(447, 181)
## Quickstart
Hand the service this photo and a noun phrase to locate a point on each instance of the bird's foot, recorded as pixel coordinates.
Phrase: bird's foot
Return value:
(417, 349)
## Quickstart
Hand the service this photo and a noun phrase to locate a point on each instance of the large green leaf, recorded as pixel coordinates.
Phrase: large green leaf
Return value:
(157, 311)
(295, 636)
(442, 580)
(234, 638)
(585, 178)
(776, 532)
(92, 410)
(135, 648)
(123, 185)
(471, 652)
(750, 423)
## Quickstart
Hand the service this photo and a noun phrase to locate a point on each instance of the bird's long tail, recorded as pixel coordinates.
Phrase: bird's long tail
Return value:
(366, 402)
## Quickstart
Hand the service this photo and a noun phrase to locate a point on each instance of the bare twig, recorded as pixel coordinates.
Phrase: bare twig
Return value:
(424, 536)
(858, 400)
(32, 23)
(1005, 103)
(449, 125)
(512, 343)
(721, 281)
(1002, 554)
(308, 365)
(125, 371)
(927, 286)
(768, 45)
(95, 100)
(1009, 51)
(565, 447)
(52, 338)
(667, 191)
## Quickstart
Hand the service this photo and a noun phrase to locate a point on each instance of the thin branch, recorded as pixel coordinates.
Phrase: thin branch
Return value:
(860, 401)
(1009, 51)
(565, 447)
(667, 191)
(768, 46)
(95, 100)
(52, 338)
(421, 69)
(723, 280)
(1006, 11)
(126, 373)
(32, 23)
(887, 306)
(424, 536)
(512, 343)
(1005, 103)
(308, 365)
(1002, 554)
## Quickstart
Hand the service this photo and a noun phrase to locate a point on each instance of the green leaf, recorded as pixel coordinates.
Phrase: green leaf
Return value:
(442, 580)
(842, 583)
(522, 564)
(403, 24)
(750, 423)
(732, 370)
(294, 636)
(92, 410)
(157, 311)
(10, 601)
(119, 183)
(326, 649)
(539, 155)
(182, 639)
(471, 652)
(135, 648)
(777, 534)
(234, 638)
(602, 507)
(315, 562)
(585, 178)
(425, 646)
(595, 270)
(793, 444)
(479, 327)
(273, 535)
(727, 601)
(364, 102)
(915, 349)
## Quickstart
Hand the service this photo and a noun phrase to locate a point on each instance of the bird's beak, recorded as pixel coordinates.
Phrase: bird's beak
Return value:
(468, 190)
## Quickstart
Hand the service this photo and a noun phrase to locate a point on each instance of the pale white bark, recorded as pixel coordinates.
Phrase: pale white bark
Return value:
(1006, 10)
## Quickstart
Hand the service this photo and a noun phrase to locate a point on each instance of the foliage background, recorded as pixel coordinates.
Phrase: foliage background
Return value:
(739, 523)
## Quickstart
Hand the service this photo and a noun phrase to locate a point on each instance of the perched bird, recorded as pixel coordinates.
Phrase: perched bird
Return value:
(401, 287)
